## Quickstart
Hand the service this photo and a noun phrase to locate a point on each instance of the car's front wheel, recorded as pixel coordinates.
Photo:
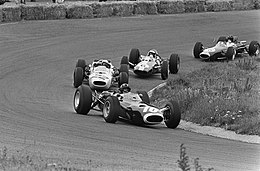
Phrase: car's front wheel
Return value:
(174, 63)
(82, 99)
(111, 109)
(164, 70)
(172, 115)
(230, 54)
(254, 48)
(198, 48)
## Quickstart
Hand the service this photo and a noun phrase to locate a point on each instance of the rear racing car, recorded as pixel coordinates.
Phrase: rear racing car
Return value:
(122, 103)
(100, 75)
(152, 63)
(225, 48)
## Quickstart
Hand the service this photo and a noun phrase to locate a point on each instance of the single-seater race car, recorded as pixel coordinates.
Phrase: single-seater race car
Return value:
(225, 48)
(122, 103)
(100, 75)
(152, 63)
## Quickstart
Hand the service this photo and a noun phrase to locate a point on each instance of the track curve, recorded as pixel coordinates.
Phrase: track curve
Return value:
(36, 64)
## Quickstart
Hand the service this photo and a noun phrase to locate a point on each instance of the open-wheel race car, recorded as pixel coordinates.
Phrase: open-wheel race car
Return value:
(100, 75)
(122, 103)
(152, 63)
(226, 48)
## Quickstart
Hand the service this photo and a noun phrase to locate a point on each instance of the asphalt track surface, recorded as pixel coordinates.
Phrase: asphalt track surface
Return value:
(36, 114)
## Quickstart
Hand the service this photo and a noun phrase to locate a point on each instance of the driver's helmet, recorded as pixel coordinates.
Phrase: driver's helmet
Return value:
(231, 38)
(124, 88)
(106, 63)
(152, 53)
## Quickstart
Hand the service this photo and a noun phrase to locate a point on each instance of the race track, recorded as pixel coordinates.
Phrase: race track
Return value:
(36, 114)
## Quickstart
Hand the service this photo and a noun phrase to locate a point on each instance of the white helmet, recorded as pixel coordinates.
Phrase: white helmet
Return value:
(124, 88)
(152, 52)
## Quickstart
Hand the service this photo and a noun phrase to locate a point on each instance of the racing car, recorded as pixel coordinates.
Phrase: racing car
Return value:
(100, 75)
(147, 65)
(122, 103)
(227, 47)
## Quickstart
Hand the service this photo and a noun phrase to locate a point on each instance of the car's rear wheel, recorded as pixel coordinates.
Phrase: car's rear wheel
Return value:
(222, 39)
(198, 48)
(174, 63)
(124, 68)
(81, 63)
(78, 77)
(111, 109)
(172, 115)
(164, 70)
(123, 78)
(134, 57)
(254, 48)
(144, 96)
(230, 54)
(124, 60)
(82, 99)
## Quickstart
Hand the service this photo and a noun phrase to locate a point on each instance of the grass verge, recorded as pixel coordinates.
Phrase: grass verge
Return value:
(222, 94)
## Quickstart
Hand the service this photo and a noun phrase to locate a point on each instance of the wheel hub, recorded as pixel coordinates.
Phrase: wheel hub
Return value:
(77, 99)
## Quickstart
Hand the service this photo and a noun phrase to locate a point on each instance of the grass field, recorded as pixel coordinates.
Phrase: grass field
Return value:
(223, 94)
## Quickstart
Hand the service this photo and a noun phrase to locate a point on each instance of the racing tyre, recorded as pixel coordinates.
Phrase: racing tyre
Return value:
(78, 77)
(164, 70)
(174, 63)
(82, 99)
(144, 96)
(198, 48)
(134, 57)
(124, 60)
(111, 109)
(123, 78)
(81, 63)
(173, 115)
(124, 68)
(231, 53)
(253, 48)
(222, 39)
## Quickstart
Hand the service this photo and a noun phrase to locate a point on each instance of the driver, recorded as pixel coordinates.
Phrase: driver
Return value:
(154, 54)
(124, 88)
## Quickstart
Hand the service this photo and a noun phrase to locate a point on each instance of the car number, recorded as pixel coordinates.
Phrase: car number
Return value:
(150, 109)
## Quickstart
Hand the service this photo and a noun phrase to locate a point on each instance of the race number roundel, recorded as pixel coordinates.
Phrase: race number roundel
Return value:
(150, 109)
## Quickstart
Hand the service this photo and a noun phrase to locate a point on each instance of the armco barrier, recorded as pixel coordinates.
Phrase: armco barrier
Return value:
(119, 8)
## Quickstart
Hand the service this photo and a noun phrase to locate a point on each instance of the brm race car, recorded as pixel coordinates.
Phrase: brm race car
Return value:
(225, 48)
(100, 75)
(147, 65)
(122, 103)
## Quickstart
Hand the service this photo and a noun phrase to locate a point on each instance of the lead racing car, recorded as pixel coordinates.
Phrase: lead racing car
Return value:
(100, 75)
(122, 103)
(152, 63)
(226, 48)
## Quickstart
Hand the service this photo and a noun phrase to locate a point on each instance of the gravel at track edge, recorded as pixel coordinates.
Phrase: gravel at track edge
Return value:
(213, 131)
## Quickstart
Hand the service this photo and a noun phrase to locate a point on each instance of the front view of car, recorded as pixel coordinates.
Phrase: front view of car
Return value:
(100, 78)
(145, 66)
